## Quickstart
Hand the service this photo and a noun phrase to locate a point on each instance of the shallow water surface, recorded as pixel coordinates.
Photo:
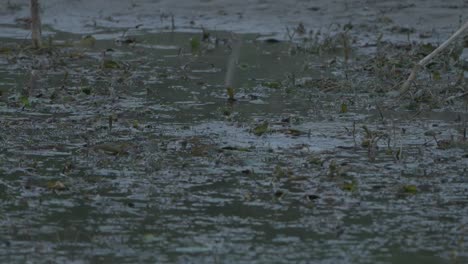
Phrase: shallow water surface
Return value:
(144, 159)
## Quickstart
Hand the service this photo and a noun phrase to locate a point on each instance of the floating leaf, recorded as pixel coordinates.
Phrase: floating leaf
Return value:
(110, 64)
(148, 238)
(297, 178)
(25, 101)
(344, 108)
(5, 50)
(88, 41)
(426, 49)
(261, 129)
(243, 66)
(295, 132)
(226, 111)
(411, 189)
(366, 143)
(315, 160)
(272, 85)
(76, 55)
(349, 186)
(113, 148)
(279, 172)
(56, 185)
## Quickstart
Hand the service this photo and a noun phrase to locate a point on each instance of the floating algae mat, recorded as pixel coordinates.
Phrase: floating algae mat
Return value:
(133, 151)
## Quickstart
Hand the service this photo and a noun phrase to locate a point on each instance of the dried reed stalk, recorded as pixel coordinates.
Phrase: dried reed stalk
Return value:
(35, 24)
(232, 61)
(406, 85)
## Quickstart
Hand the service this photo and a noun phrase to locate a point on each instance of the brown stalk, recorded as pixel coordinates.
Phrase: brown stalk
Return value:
(35, 24)
(406, 85)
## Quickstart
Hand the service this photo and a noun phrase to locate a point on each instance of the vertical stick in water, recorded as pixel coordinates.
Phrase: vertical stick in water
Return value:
(35, 24)
(232, 61)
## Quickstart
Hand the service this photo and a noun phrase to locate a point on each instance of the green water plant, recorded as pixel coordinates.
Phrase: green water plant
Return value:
(260, 129)
(195, 45)
(230, 93)
(109, 63)
(370, 141)
(349, 186)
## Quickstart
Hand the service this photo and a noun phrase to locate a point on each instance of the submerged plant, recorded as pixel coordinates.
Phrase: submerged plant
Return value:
(108, 63)
(410, 189)
(88, 41)
(272, 85)
(344, 108)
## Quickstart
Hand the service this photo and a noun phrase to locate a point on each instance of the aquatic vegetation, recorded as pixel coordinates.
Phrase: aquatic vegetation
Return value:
(56, 186)
(344, 108)
(272, 85)
(113, 148)
(410, 189)
(88, 41)
(231, 94)
(350, 186)
(110, 64)
(86, 90)
(294, 132)
(261, 129)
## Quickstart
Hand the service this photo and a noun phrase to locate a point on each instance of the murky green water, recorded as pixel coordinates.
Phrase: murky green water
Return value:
(181, 174)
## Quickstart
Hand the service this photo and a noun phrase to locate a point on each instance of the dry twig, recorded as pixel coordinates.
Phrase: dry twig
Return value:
(405, 87)
(35, 24)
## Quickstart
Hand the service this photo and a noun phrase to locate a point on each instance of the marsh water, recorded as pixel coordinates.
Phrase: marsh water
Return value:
(122, 145)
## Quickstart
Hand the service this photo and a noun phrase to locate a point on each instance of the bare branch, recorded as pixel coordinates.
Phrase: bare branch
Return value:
(35, 24)
(405, 87)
